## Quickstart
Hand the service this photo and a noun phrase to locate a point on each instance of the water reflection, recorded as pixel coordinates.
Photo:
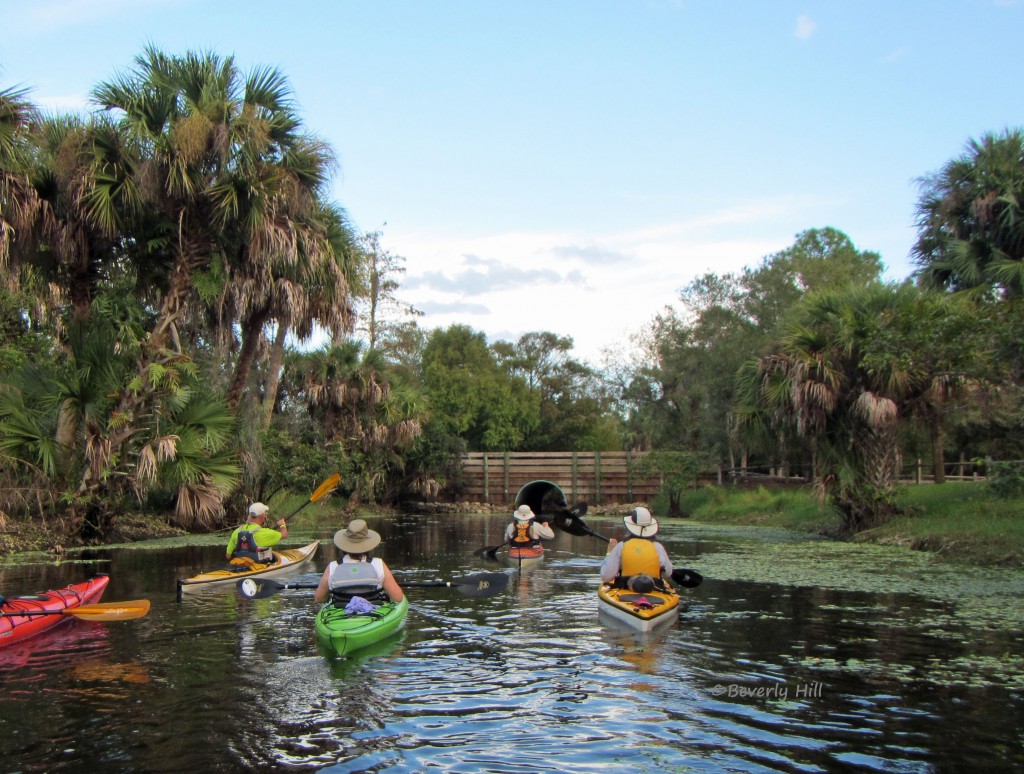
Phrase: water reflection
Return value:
(826, 658)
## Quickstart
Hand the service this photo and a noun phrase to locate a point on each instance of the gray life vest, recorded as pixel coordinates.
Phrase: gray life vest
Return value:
(351, 579)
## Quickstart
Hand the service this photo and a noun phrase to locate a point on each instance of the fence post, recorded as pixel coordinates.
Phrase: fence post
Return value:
(575, 474)
(487, 483)
(597, 478)
(917, 471)
(629, 474)
(506, 477)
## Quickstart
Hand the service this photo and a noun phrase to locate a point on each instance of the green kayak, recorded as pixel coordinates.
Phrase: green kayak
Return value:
(339, 633)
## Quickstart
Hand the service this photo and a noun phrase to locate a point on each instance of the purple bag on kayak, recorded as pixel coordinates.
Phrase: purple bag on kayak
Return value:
(359, 605)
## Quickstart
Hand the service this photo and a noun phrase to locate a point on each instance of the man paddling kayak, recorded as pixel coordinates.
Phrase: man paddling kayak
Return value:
(252, 541)
(639, 562)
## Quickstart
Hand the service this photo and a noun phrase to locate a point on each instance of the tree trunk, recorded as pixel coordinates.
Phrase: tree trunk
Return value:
(938, 440)
(251, 333)
(274, 373)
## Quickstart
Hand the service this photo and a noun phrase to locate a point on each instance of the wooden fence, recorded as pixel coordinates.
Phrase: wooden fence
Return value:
(604, 478)
(595, 477)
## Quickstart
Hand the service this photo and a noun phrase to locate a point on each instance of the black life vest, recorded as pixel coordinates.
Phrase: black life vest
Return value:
(246, 548)
(521, 535)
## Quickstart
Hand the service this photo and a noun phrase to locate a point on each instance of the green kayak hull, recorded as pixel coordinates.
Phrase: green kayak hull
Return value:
(338, 633)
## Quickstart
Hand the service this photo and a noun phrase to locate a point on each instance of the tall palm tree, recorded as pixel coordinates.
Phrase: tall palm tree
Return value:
(213, 175)
(312, 289)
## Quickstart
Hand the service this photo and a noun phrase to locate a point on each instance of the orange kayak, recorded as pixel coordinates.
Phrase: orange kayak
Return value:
(24, 617)
(524, 557)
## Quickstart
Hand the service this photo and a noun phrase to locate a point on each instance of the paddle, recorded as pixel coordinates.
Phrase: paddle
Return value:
(481, 584)
(574, 525)
(329, 485)
(101, 611)
(492, 551)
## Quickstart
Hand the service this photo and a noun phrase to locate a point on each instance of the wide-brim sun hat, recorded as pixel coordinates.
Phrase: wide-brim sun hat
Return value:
(356, 538)
(640, 523)
(523, 513)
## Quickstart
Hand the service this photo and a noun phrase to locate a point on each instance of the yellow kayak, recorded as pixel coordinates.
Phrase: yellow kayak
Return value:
(285, 562)
(640, 611)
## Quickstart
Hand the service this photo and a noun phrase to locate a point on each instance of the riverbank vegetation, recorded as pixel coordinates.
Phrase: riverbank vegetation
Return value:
(190, 322)
(959, 521)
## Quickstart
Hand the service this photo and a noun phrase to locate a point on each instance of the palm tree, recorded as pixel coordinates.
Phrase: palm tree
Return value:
(971, 219)
(364, 408)
(852, 366)
(313, 289)
(215, 176)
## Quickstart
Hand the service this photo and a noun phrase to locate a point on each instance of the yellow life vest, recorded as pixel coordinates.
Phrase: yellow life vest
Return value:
(640, 556)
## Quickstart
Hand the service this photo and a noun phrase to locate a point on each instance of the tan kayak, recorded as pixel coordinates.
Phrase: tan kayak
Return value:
(285, 562)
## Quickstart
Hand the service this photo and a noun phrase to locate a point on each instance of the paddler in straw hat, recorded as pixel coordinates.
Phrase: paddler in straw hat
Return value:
(357, 573)
(639, 562)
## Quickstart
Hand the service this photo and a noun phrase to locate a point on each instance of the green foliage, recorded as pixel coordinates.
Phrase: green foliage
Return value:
(471, 396)
(677, 470)
(1005, 479)
(297, 464)
(792, 508)
(851, 365)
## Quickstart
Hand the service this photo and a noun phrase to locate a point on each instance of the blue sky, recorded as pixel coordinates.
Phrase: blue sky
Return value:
(569, 165)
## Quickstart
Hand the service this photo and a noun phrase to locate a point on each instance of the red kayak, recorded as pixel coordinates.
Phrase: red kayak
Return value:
(18, 623)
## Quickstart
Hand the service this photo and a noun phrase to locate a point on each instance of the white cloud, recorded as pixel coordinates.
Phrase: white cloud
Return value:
(598, 289)
(804, 27)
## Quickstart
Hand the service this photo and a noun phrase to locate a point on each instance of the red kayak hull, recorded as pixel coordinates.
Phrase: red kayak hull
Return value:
(17, 628)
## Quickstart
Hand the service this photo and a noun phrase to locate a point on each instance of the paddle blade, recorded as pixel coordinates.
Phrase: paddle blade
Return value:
(110, 611)
(258, 589)
(481, 584)
(491, 552)
(567, 521)
(329, 485)
(691, 579)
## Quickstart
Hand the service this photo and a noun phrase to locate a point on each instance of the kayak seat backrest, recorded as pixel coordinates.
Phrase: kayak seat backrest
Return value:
(369, 593)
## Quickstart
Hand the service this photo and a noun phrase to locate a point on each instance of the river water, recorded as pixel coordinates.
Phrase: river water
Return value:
(795, 655)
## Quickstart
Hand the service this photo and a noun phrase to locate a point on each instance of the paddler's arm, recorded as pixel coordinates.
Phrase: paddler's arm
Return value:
(394, 591)
(323, 590)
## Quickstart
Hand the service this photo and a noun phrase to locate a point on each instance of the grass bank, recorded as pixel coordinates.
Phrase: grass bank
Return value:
(960, 521)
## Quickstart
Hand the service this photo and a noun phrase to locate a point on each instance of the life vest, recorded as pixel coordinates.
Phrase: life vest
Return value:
(352, 579)
(521, 535)
(640, 556)
(246, 548)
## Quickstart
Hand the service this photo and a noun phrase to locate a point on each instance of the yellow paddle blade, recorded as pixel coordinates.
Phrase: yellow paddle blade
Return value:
(110, 611)
(327, 486)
